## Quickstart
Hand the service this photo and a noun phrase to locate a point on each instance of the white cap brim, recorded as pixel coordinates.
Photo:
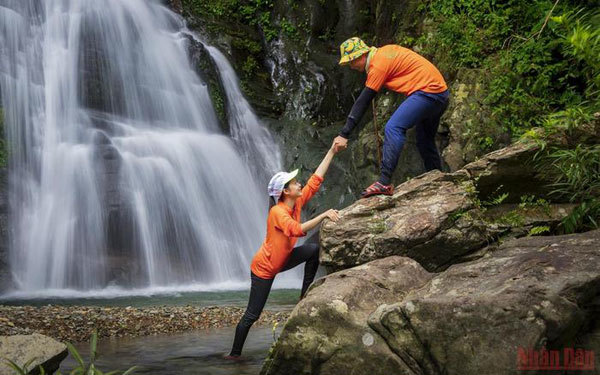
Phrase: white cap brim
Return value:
(290, 176)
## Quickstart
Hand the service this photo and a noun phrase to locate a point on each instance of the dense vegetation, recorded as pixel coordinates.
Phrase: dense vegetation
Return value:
(537, 57)
(540, 63)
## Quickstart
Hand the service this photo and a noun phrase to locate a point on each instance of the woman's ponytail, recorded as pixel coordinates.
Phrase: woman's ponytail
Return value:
(271, 202)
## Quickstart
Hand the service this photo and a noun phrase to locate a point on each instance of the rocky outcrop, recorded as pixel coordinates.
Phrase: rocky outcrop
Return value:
(465, 124)
(327, 333)
(41, 350)
(531, 293)
(439, 218)
(508, 170)
(534, 292)
(418, 221)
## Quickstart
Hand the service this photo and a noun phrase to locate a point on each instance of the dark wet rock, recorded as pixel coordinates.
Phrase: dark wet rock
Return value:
(204, 65)
(508, 170)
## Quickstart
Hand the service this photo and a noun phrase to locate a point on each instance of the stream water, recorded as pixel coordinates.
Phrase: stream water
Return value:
(196, 353)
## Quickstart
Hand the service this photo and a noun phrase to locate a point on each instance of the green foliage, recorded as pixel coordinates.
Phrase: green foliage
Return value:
(498, 199)
(535, 231)
(540, 63)
(90, 368)
(576, 177)
(567, 121)
(577, 172)
(217, 101)
(246, 12)
(538, 56)
(289, 29)
(573, 168)
(512, 218)
(18, 370)
(250, 66)
(458, 214)
(247, 44)
(585, 216)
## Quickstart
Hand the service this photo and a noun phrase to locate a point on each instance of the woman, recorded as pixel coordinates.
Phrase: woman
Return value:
(277, 253)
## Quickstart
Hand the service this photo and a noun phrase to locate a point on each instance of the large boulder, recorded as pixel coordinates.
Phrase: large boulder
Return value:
(328, 333)
(532, 292)
(418, 221)
(440, 218)
(43, 350)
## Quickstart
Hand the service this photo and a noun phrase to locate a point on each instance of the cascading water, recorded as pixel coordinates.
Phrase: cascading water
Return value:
(119, 172)
(246, 130)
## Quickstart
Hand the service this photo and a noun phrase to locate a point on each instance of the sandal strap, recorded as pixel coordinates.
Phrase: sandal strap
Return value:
(376, 186)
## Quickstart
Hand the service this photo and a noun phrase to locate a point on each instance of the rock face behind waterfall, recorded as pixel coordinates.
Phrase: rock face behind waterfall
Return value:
(496, 291)
(470, 319)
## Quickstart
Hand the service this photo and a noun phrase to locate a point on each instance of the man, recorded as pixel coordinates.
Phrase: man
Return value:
(404, 71)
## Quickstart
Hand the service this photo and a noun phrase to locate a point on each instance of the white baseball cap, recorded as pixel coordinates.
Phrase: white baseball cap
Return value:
(278, 181)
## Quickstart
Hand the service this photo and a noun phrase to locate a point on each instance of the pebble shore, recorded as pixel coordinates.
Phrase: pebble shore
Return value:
(76, 323)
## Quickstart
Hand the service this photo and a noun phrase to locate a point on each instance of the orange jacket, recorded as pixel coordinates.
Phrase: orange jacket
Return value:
(283, 230)
(403, 70)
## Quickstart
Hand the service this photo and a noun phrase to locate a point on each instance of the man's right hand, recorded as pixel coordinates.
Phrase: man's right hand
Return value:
(340, 143)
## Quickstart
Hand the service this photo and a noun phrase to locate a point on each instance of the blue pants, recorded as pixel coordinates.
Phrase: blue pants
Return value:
(423, 110)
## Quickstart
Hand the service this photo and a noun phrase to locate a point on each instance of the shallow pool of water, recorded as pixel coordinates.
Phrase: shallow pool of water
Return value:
(197, 353)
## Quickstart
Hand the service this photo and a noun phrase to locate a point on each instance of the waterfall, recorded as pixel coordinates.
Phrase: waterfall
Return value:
(247, 131)
(119, 172)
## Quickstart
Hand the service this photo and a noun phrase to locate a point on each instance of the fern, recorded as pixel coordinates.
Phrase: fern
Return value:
(538, 230)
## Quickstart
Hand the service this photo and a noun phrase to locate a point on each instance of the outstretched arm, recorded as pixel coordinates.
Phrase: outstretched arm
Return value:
(292, 228)
(310, 224)
(314, 182)
(358, 110)
(324, 166)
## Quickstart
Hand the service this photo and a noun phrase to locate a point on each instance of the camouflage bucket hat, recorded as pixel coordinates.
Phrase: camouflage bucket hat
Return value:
(352, 49)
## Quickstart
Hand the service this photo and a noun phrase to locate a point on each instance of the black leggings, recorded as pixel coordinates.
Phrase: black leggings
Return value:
(260, 288)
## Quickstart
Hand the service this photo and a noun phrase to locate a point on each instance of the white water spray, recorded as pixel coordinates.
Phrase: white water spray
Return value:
(120, 175)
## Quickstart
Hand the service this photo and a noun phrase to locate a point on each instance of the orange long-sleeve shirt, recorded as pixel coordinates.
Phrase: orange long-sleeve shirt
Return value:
(403, 70)
(283, 230)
